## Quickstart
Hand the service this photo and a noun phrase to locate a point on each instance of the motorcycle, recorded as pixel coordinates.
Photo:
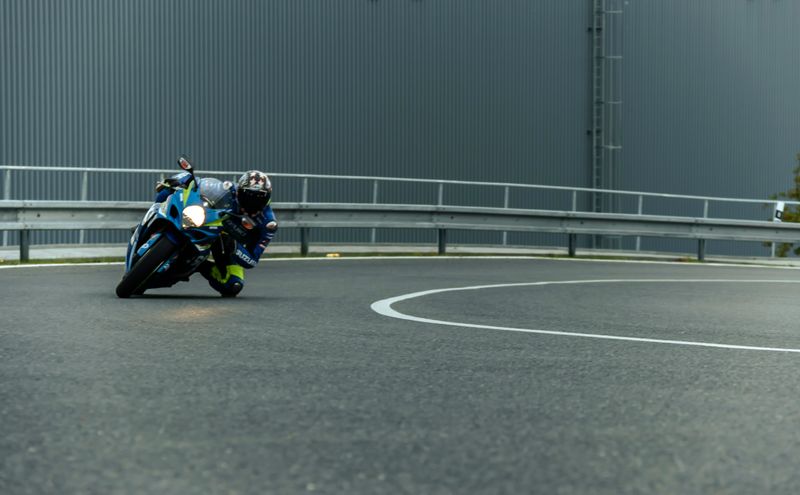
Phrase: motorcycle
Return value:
(176, 236)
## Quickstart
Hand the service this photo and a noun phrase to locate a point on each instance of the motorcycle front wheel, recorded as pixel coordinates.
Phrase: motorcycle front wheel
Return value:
(147, 265)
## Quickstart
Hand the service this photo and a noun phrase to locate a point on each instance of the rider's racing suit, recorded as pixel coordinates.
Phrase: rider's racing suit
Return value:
(232, 257)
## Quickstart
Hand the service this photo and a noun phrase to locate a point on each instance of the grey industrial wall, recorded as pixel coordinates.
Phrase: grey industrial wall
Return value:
(712, 103)
(458, 89)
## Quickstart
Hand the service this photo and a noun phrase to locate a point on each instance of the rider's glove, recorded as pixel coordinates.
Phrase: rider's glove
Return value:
(179, 180)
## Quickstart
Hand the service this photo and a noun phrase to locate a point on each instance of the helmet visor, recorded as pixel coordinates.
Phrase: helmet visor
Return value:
(253, 201)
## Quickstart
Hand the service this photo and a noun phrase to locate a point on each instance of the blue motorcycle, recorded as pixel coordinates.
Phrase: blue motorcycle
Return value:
(177, 235)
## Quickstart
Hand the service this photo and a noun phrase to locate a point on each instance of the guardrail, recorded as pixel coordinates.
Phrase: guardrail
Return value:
(700, 204)
(25, 216)
(704, 201)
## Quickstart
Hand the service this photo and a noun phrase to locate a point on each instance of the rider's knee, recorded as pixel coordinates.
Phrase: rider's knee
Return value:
(230, 285)
(232, 288)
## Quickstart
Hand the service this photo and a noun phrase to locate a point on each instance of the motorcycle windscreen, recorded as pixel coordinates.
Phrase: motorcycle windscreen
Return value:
(216, 193)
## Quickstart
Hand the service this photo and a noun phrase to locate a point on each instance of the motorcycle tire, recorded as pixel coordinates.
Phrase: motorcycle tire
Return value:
(134, 281)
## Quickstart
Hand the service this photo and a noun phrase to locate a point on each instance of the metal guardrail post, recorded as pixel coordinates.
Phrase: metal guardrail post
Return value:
(84, 197)
(24, 245)
(777, 217)
(701, 243)
(304, 231)
(373, 233)
(573, 238)
(505, 205)
(6, 195)
(442, 249)
(7, 185)
(639, 211)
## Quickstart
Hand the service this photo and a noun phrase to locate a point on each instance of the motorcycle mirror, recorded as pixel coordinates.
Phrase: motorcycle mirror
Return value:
(183, 162)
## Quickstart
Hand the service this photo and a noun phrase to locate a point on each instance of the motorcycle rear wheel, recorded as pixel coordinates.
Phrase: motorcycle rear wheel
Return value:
(134, 281)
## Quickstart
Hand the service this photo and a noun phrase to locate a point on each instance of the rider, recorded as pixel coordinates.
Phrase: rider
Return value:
(253, 192)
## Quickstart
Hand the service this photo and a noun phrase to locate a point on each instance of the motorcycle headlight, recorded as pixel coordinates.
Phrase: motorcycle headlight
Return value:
(193, 216)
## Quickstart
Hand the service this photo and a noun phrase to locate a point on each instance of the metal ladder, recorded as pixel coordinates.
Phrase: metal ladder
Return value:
(606, 123)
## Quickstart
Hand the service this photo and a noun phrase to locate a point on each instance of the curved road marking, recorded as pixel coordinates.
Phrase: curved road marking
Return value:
(384, 307)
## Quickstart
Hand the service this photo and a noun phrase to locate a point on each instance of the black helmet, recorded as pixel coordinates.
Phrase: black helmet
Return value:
(253, 191)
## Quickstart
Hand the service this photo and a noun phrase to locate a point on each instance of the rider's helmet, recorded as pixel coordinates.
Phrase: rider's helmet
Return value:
(253, 191)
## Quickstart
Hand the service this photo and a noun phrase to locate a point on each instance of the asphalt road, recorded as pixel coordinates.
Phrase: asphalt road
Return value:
(298, 386)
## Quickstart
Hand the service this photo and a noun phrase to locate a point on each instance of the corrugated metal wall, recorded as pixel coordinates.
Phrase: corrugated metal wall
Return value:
(464, 89)
(712, 104)
(456, 89)
(445, 89)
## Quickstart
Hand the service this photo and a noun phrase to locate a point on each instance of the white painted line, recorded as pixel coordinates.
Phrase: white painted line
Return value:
(542, 258)
(384, 307)
(51, 265)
